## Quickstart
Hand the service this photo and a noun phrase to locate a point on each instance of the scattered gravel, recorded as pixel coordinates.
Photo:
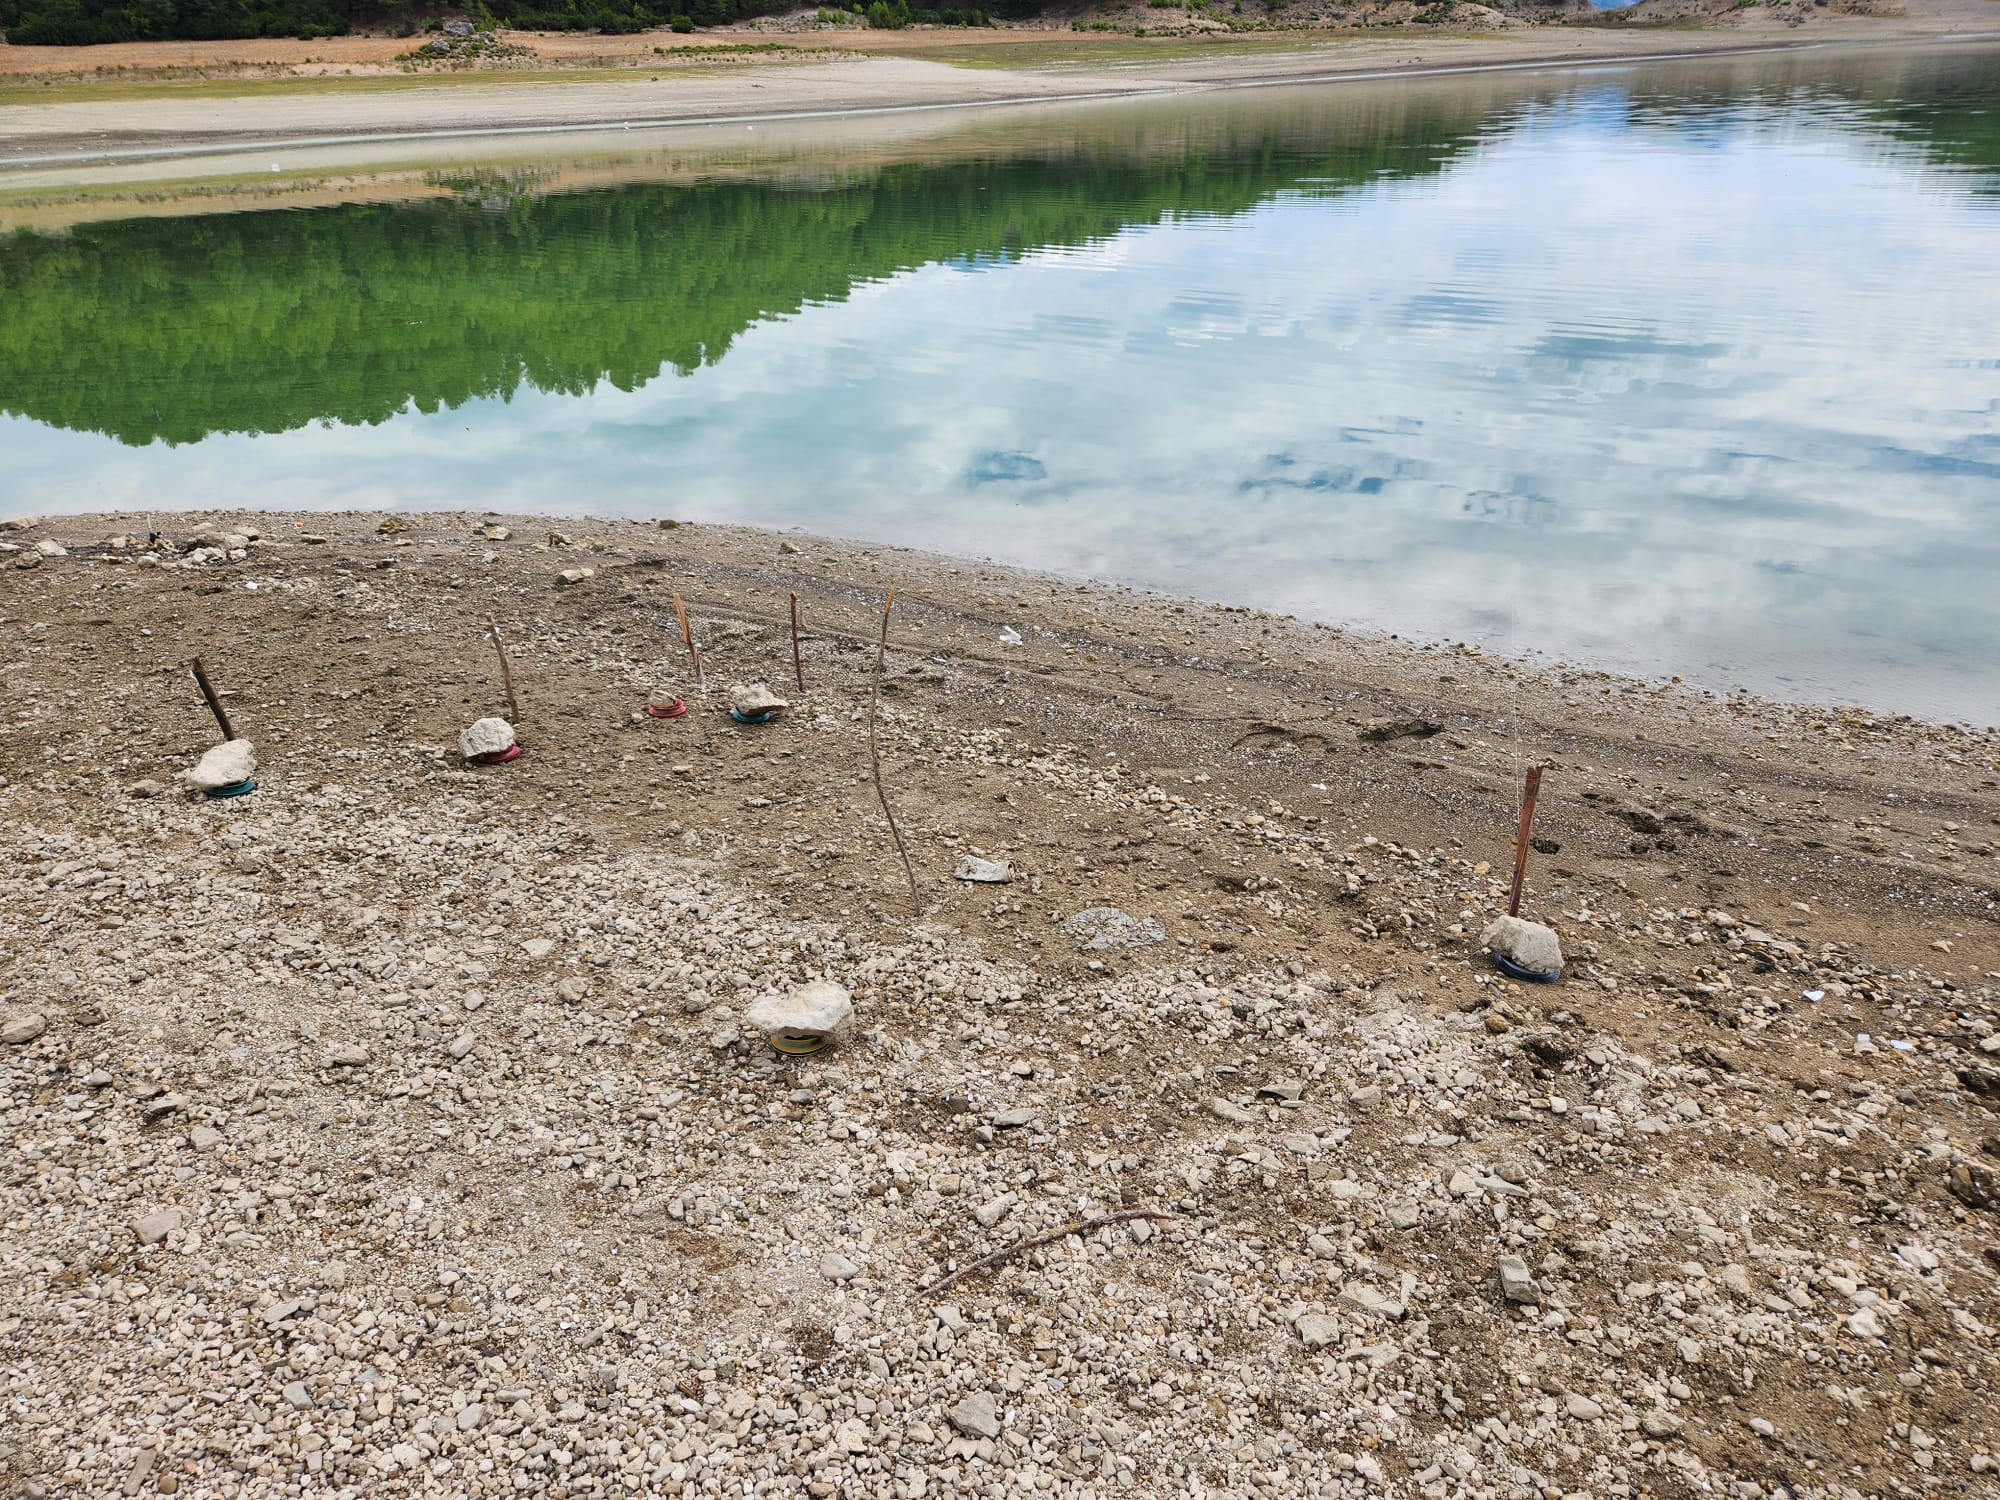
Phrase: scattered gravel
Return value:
(404, 1127)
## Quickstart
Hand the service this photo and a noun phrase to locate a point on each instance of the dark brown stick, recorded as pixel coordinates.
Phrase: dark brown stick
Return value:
(875, 756)
(687, 635)
(1521, 840)
(1086, 1226)
(506, 675)
(214, 703)
(798, 665)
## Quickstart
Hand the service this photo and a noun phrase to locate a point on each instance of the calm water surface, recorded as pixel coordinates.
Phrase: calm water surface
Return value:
(1686, 369)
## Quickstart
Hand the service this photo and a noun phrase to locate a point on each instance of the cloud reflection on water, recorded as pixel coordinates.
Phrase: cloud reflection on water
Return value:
(1713, 396)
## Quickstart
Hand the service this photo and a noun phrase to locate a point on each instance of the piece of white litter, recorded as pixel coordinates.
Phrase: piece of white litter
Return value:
(274, 166)
(1009, 636)
(1904, 1046)
(251, 585)
(1815, 996)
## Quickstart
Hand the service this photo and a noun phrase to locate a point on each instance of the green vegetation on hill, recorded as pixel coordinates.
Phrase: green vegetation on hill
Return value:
(173, 329)
(77, 23)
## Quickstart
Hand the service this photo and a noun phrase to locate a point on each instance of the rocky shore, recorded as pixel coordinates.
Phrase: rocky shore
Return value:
(402, 1127)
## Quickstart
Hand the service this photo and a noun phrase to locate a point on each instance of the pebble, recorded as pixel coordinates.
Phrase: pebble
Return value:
(1517, 1283)
(155, 1227)
(837, 1267)
(22, 1027)
(977, 1416)
(1318, 1330)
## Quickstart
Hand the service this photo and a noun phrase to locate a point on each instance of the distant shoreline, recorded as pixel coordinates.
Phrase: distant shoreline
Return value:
(142, 125)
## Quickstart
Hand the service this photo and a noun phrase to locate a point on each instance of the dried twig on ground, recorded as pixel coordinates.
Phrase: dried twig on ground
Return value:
(875, 755)
(214, 703)
(1534, 788)
(506, 672)
(798, 663)
(1085, 1226)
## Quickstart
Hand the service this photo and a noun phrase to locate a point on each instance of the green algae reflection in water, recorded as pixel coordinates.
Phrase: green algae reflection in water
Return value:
(176, 329)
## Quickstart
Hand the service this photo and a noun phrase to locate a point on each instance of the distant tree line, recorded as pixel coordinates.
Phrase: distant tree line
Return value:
(80, 23)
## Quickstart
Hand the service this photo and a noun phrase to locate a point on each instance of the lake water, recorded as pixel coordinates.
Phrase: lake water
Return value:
(1687, 368)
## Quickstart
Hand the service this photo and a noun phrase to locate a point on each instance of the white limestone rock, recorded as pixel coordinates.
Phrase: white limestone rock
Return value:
(155, 1227)
(485, 737)
(1529, 944)
(753, 698)
(983, 871)
(223, 765)
(821, 1009)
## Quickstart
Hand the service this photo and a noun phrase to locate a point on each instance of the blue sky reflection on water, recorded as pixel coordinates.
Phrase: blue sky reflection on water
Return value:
(1699, 388)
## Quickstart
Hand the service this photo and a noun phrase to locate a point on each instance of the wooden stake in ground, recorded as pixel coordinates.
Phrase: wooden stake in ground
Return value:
(1086, 1226)
(687, 635)
(506, 674)
(214, 703)
(798, 665)
(1534, 788)
(875, 756)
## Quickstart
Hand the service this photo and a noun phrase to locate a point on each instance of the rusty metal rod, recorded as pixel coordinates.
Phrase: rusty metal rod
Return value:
(798, 664)
(214, 703)
(1533, 790)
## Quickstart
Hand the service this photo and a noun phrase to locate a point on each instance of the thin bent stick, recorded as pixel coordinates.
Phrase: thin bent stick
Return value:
(875, 757)
(798, 666)
(1521, 840)
(687, 635)
(214, 703)
(506, 674)
(1085, 1227)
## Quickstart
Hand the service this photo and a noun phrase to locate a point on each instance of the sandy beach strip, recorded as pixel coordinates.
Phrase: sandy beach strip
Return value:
(208, 118)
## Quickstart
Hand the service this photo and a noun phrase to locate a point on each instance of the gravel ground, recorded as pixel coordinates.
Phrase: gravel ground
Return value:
(396, 1129)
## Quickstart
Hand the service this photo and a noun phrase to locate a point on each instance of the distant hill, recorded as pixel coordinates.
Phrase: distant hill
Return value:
(76, 23)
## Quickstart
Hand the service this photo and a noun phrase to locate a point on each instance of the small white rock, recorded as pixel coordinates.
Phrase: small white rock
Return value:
(977, 1416)
(821, 1009)
(983, 871)
(154, 1227)
(754, 698)
(1318, 1330)
(1529, 944)
(22, 1027)
(221, 765)
(485, 737)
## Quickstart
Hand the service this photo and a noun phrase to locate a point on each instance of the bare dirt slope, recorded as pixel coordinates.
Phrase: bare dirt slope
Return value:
(79, 105)
(396, 1128)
